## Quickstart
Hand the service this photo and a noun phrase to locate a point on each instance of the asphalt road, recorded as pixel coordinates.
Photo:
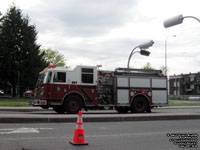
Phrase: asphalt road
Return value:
(142, 135)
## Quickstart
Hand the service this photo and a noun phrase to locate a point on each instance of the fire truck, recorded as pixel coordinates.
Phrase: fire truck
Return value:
(88, 87)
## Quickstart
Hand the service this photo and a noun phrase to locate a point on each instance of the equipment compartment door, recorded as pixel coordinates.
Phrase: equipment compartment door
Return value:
(123, 90)
(123, 96)
(159, 91)
(159, 96)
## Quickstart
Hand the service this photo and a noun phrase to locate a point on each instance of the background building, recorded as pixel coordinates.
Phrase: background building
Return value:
(184, 85)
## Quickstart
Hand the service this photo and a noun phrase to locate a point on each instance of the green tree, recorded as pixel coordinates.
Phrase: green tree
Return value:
(53, 57)
(21, 59)
(164, 69)
(148, 66)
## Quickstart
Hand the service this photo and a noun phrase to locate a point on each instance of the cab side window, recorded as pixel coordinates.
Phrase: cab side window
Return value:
(59, 77)
(87, 75)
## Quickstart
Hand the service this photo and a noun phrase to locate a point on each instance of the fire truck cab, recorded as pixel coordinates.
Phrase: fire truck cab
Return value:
(68, 91)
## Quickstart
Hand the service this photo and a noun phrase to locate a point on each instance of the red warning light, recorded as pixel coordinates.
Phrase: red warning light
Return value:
(43, 102)
(107, 75)
(143, 92)
(52, 66)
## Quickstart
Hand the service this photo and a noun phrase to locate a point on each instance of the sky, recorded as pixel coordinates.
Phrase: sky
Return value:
(104, 32)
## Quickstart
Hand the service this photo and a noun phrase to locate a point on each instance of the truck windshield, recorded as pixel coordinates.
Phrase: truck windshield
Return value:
(44, 77)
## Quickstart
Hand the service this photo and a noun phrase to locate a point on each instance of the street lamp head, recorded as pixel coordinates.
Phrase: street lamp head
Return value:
(173, 21)
(98, 66)
(144, 52)
(168, 37)
(146, 45)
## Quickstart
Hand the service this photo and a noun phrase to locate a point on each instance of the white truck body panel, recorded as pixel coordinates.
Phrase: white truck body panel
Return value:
(123, 96)
(140, 82)
(159, 91)
(159, 96)
(76, 74)
(157, 86)
(159, 83)
(122, 82)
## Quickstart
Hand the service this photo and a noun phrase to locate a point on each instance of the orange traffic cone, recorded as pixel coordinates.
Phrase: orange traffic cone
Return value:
(79, 138)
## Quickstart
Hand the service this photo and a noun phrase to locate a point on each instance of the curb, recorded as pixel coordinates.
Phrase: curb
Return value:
(31, 109)
(23, 109)
(97, 118)
(90, 116)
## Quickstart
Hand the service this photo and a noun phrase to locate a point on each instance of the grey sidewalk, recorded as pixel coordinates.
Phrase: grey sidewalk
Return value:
(38, 115)
(184, 102)
(31, 109)
(22, 109)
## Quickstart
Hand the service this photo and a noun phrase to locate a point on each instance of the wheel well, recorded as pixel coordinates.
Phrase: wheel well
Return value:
(141, 95)
(75, 94)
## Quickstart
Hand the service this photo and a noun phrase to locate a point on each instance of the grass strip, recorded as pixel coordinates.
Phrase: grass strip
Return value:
(15, 98)
(177, 99)
(184, 104)
(14, 104)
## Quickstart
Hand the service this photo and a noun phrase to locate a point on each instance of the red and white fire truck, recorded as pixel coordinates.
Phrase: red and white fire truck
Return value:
(68, 91)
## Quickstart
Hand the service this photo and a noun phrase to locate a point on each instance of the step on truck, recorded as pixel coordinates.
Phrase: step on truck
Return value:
(88, 87)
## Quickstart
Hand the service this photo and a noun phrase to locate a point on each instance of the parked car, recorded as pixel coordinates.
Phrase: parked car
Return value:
(28, 93)
(1, 92)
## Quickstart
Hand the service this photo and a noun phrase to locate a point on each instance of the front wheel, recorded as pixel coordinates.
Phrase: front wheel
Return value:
(45, 107)
(73, 104)
(122, 109)
(59, 109)
(139, 105)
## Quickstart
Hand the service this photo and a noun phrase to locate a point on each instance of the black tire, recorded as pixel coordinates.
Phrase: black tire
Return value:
(139, 105)
(122, 109)
(73, 104)
(59, 109)
(45, 107)
(148, 109)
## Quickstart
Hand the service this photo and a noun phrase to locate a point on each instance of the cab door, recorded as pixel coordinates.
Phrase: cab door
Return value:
(58, 87)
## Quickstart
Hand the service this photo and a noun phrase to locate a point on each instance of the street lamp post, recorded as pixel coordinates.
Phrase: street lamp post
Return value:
(177, 20)
(131, 54)
(172, 22)
(142, 51)
(166, 52)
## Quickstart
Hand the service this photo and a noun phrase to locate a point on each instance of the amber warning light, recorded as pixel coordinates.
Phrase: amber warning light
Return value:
(52, 66)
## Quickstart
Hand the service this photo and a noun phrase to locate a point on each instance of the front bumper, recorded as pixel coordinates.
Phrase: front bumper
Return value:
(39, 102)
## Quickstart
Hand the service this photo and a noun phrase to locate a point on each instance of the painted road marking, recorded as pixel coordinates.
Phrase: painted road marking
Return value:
(22, 130)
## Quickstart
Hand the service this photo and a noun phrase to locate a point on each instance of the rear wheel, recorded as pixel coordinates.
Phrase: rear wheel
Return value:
(73, 104)
(59, 109)
(139, 105)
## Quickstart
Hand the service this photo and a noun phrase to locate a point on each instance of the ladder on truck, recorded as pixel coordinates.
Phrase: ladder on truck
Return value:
(133, 71)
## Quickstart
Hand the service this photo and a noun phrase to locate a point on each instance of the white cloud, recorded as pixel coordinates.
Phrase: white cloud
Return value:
(104, 32)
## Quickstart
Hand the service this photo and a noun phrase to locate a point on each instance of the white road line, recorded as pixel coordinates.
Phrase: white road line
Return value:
(108, 135)
(22, 130)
